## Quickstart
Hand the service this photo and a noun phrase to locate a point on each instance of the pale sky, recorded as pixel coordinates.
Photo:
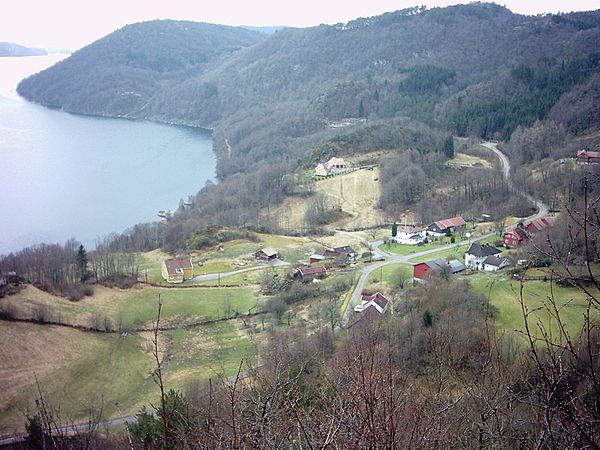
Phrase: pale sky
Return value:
(75, 23)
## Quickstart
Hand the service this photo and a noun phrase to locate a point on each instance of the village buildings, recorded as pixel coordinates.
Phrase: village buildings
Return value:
(443, 227)
(410, 235)
(332, 167)
(376, 301)
(436, 266)
(266, 254)
(308, 273)
(517, 235)
(177, 270)
(587, 157)
(495, 262)
(538, 225)
(477, 253)
(340, 255)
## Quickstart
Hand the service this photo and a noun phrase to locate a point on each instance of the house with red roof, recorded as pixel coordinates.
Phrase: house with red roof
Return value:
(377, 301)
(442, 227)
(538, 225)
(586, 157)
(423, 269)
(515, 236)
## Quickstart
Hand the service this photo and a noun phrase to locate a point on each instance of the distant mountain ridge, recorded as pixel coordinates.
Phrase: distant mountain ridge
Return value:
(10, 49)
(175, 71)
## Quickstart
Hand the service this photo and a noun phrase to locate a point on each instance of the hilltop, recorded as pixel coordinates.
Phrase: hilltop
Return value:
(119, 74)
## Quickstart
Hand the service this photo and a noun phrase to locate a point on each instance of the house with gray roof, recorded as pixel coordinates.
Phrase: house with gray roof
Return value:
(477, 253)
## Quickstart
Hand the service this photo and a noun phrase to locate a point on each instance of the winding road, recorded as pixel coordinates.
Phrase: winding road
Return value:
(396, 259)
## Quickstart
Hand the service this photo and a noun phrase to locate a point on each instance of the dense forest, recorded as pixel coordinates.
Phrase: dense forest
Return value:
(413, 76)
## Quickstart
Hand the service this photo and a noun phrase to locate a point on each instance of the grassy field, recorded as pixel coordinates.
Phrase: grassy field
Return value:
(184, 305)
(133, 307)
(405, 249)
(504, 294)
(357, 192)
(464, 160)
(205, 352)
(386, 276)
(76, 369)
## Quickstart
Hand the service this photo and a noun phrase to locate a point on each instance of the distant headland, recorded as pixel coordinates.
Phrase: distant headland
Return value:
(10, 49)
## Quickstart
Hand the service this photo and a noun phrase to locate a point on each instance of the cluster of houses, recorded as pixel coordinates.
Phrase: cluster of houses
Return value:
(334, 166)
(519, 234)
(308, 273)
(412, 235)
(338, 256)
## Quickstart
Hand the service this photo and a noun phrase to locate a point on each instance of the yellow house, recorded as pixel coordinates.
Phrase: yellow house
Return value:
(177, 270)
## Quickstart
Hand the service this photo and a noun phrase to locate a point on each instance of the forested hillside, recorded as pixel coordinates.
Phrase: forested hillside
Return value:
(467, 70)
(118, 74)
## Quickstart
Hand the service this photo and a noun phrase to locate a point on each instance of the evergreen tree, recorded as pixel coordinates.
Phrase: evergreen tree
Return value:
(394, 229)
(82, 263)
(427, 318)
(449, 147)
(361, 109)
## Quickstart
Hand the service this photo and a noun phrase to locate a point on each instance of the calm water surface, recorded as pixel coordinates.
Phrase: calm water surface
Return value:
(64, 175)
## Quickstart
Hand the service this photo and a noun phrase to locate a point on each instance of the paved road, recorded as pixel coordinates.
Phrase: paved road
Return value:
(71, 430)
(541, 207)
(368, 270)
(215, 276)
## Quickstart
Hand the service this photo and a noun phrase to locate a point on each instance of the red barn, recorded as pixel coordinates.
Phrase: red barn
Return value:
(420, 269)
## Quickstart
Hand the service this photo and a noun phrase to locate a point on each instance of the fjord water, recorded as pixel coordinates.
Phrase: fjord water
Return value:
(64, 175)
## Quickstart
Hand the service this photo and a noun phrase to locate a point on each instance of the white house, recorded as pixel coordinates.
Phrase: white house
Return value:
(335, 163)
(320, 170)
(331, 167)
(409, 235)
(494, 263)
(377, 301)
(477, 253)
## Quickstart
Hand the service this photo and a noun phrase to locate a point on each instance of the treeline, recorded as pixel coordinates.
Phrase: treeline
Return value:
(67, 269)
